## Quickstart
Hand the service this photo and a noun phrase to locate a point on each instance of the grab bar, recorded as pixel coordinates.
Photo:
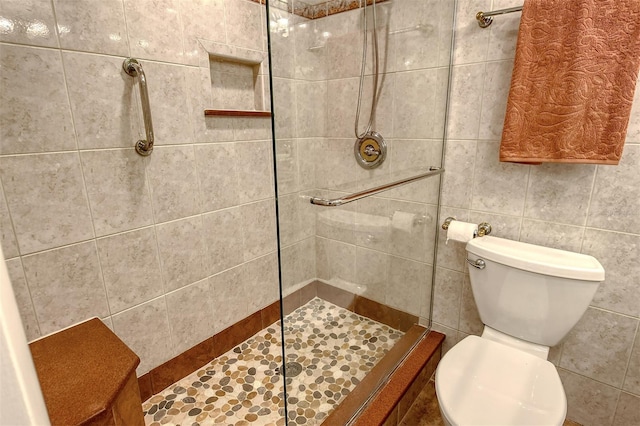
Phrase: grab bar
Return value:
(134, 69)
(363, 194)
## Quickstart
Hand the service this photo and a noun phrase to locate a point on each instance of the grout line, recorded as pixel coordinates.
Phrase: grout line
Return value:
(586, 216)
(633, 342)
(82, 171)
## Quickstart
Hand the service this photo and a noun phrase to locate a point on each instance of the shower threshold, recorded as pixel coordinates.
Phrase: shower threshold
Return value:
(334, 348)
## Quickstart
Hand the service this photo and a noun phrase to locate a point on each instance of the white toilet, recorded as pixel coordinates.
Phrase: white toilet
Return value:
(528, 297)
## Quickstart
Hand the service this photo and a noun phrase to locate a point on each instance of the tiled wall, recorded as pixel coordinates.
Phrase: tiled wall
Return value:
(584, 208)
(366, 247)
(165, 249)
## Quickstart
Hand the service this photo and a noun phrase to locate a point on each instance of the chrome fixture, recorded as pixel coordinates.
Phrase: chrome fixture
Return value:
(447, 222)
(134, 69)
(485, 18)
(373, 191)
(484, 228)
(479, 263)
(370, 150)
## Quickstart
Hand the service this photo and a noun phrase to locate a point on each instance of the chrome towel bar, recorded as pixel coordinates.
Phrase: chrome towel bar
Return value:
(378, 189)
(134, 69)
(485, 18)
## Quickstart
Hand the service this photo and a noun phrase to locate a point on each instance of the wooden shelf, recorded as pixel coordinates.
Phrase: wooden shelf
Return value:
(236, 113)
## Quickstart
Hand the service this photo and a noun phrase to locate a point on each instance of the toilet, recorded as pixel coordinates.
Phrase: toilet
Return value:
(529, 297)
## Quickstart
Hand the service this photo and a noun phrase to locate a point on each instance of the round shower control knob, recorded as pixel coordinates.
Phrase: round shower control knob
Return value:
(370, 150)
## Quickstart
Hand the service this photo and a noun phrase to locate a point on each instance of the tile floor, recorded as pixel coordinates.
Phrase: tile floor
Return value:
(335, 348)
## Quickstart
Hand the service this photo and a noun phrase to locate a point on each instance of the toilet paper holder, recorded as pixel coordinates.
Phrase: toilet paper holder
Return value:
(484, 228)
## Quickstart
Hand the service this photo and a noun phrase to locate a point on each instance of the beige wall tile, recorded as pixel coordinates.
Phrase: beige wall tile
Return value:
(616, 194)
(497, 79)
(259, 222)
(335, 261)
(173, 182)
(472, 42)
(415, 243)
(255, 171)
(80, 28)
(145, 329)
(8, 237)
(372, 273)
(470, 321)
(182, 252)
(29, 22)
(555, 235)
(311, 113)
(503, 31)
(589, 402)
(197, 23)
(599, 346)
(217, 175)
(23, 299)
(117, 188)
(223, 232)
(27, 123)
(466, 100)
(190, 313)
(457, 182)
(261, 279)
(66, 286)
(244, 24)
(414, 104)
(169, 103)
(131, 268)
(560, 193)
(108, 117)
(408, 286)
(230, 297)
(618, 253)
(47, 200)
(156, 35)
(446, 299)
(498, 187)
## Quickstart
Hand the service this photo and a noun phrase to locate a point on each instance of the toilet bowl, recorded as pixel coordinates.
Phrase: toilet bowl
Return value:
(529, 297)
(482, 382)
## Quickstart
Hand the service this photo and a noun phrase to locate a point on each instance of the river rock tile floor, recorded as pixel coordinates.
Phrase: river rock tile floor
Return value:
(335, 347)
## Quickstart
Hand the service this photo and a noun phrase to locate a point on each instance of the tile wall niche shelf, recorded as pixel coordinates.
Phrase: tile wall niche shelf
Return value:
(236, 113)
(238, 80)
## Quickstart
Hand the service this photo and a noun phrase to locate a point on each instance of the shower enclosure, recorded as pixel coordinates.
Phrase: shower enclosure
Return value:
(356, 262)
(207, 253)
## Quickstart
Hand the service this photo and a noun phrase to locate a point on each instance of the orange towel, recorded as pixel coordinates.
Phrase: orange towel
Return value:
(575, 72)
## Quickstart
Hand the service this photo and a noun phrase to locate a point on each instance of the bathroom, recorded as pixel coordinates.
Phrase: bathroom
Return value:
(199, 213)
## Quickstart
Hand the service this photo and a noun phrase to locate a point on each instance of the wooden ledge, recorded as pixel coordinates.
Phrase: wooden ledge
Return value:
(235, 113)
(82, 371)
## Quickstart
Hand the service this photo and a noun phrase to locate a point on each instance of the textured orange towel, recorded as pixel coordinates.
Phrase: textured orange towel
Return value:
(575, 72)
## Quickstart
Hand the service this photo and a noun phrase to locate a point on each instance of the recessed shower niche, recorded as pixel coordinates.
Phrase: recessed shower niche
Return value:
(237, 78)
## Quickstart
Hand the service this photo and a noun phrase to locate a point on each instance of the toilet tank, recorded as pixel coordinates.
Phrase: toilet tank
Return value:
(531, 292)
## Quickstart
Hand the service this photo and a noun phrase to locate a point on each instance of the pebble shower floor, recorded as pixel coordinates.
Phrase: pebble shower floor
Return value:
(335, 347)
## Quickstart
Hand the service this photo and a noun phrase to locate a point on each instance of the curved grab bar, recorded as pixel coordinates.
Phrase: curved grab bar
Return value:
(367, 193)
(134, 69)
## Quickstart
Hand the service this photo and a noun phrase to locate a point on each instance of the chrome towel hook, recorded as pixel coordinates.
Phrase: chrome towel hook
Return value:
(134, 69)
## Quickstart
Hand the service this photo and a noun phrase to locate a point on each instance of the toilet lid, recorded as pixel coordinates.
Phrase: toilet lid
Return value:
(482, 382)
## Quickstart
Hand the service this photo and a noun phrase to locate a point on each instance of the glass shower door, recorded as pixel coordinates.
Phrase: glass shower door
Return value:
(356, 278)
